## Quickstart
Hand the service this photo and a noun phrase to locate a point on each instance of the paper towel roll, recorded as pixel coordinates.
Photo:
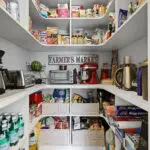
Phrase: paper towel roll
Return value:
(128, 124)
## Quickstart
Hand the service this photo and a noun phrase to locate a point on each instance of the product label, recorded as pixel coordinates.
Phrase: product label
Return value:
(4, 144)
(32, 141)
(2, 136)
(16, 127)
(13, 137)
(21, 132)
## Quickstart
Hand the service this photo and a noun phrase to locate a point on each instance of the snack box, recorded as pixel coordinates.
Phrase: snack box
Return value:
(63, 11)
(53, 13)
(51, 31)
(42, 36)
(124, 111)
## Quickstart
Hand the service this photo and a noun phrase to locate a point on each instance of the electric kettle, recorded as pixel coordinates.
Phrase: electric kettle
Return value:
(125, 76)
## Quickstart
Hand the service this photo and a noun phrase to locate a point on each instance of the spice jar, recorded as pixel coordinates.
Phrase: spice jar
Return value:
(102, 10)
(63, 37)
(89, 13)
(74, 39)
(80, 39)
(96, 10)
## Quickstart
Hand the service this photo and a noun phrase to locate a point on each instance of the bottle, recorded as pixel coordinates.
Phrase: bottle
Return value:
(4, 122)
(4, 115)
(20, 126)
(114, 64)
(139, 81)
(13, 9)
(32, 141)
(67, 99)
(1, 118)
(4, 138)
(13, 132)
(130, 9)
(8, 118)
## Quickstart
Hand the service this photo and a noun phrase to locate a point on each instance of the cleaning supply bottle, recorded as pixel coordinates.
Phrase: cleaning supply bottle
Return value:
(13, 132)
(4, 138)
(20, 126)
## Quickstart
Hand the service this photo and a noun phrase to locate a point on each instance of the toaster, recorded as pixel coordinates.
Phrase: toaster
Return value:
(18, 79)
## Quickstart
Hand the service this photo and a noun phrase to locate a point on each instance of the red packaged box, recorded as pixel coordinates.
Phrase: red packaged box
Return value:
(36, 98)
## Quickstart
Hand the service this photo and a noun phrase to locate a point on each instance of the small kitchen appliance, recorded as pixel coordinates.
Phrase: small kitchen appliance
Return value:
(2, 83)
(61, 77)
(18, 79)
(125, 76)
(88, 73)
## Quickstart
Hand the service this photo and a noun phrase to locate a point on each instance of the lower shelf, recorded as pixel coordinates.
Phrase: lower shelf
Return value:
(46, 147)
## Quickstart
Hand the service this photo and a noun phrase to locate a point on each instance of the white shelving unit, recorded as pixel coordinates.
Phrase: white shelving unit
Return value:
(13, 96)
(126, 34)
(135, 28)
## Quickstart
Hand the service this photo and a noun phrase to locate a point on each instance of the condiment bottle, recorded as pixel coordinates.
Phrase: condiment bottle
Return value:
(80, 39)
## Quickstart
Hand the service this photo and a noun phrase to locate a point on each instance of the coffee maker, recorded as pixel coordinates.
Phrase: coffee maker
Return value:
(2, 84)
(88, 73)
(125, 76)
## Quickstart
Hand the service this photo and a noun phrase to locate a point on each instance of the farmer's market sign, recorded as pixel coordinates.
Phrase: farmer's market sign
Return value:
(72, 59)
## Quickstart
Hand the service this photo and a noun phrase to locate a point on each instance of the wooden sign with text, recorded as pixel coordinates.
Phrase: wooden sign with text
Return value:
(72, 59)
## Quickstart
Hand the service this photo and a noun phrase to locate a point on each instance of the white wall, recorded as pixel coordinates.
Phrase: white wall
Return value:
(104, 57)
(138, 51)
(15, 57)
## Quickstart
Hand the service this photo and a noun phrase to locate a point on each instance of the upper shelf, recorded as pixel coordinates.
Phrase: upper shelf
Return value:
(131, 31)
(78, 22)
(90, 23)
(11, 97)
(39, 20)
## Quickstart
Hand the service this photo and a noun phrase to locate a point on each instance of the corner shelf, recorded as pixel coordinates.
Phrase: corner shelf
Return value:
(15, 95)
(35, 15)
